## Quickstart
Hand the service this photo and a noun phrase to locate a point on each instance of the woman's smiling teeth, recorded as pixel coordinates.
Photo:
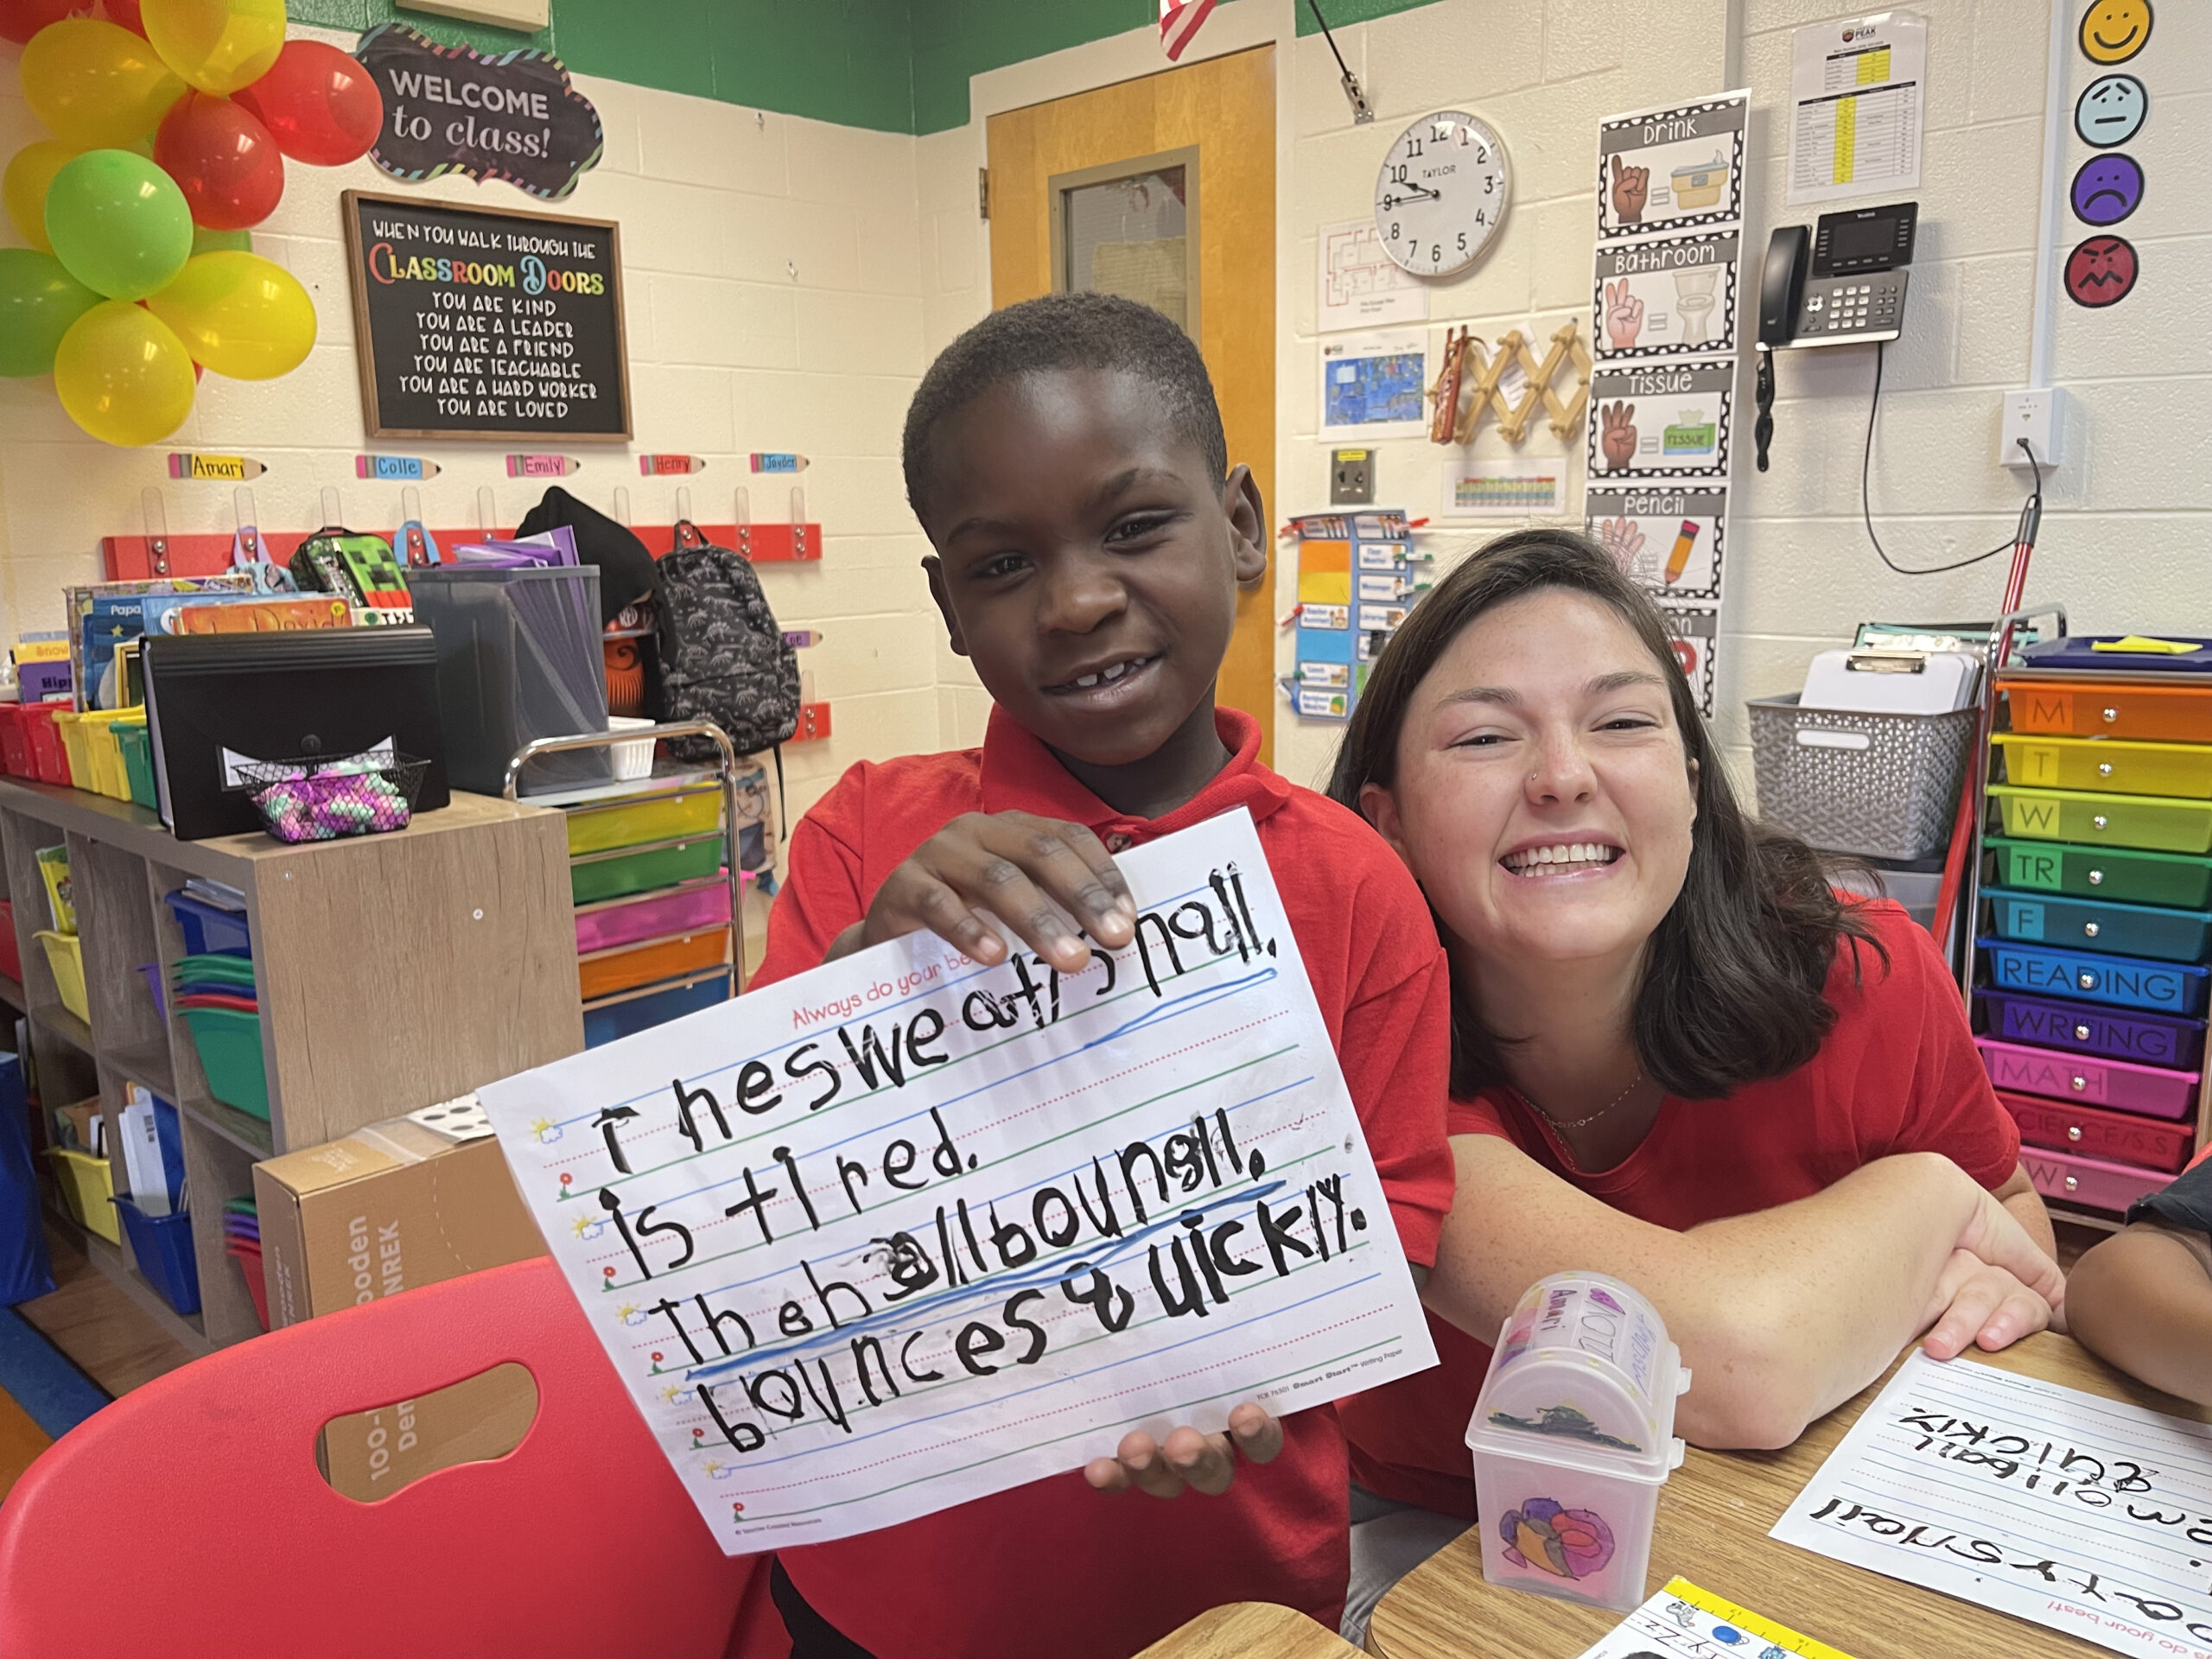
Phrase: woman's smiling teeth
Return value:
(1564, 858)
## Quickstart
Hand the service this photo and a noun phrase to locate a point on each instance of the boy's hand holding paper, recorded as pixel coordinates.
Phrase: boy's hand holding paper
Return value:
(909, 1229)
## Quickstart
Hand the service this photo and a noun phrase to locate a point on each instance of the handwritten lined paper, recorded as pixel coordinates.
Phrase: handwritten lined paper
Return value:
(904, 1231)
(2088, 1514)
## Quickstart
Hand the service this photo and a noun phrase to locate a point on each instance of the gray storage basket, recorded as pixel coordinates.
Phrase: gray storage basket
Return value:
(1878, 785)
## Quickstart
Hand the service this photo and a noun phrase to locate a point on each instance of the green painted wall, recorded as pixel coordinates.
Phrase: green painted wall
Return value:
(897, 66)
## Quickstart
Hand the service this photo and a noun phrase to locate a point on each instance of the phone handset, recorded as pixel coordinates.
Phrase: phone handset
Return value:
(1782, 286)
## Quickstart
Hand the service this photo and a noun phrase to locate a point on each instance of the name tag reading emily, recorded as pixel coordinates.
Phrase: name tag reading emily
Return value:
(905, 1231)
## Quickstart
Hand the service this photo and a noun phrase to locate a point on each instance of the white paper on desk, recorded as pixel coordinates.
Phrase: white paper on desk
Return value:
(2087, 1515)
(1007, 1196)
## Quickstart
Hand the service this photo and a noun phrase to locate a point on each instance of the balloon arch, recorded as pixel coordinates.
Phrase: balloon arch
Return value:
(171, 121)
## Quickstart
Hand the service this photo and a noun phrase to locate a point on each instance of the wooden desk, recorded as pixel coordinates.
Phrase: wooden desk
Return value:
(1251, 1629)
(1714, 1520)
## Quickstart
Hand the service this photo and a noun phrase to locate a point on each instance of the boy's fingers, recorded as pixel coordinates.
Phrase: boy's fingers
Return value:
(1106, 1475)
(1107, 906)
(1067, 864)
(1203, 1461)
(937, 907)
(1258, 1435)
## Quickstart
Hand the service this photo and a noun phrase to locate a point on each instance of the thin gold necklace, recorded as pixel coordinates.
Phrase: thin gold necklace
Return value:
(1577, 1123)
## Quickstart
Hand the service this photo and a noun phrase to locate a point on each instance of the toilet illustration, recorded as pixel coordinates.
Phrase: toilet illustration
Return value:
(1693, 302)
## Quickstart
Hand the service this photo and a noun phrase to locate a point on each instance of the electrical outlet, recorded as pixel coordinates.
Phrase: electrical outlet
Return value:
(2038, 416)
(1351, 478)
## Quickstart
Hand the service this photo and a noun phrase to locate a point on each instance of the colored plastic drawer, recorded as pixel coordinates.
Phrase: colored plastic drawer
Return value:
(163, 1247)
(2110, 764)
(15, 743)
(48, 756)
(611, 972)
(88, 1189)
(2112, 1084)
(629, 1015)
(2095, 1134)
(138, 761)
(2125, 981)
(2101, 873)
(2144, 1038)
(655, 818)
(2135, 930)
(2089, 1181)
(628, 921)
(2156, 823)
(2179, 713)
(229, 1042)
(628, 870)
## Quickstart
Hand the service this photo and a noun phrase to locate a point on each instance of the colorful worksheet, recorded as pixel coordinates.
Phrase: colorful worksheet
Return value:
(907, 1231)
(1683, 1622)
(2088, 1514)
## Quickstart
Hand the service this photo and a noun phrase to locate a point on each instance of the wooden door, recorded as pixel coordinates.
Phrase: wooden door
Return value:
(1208, 133)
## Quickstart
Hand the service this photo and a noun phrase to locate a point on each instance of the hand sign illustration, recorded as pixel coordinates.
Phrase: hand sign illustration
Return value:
(1617, 438)
(1621, 538)
(1630, 186)
(1623, 315)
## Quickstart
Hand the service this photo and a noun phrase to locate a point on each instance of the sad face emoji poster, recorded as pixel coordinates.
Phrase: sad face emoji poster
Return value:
(2101, 271)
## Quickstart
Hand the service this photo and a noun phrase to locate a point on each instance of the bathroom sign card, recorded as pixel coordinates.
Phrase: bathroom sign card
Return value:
(1670, 537)
(905, 1231)
(1666, 297)
(1659, 420)
(1672, 167)
(2087, 1515)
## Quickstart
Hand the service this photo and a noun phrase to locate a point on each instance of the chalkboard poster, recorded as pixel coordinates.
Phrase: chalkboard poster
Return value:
(482, 322)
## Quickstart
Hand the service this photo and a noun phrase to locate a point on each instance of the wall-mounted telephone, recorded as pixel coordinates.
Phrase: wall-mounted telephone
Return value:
(1841, 283)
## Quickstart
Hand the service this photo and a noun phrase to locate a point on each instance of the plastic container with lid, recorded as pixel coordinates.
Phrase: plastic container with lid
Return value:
(1573, 1437)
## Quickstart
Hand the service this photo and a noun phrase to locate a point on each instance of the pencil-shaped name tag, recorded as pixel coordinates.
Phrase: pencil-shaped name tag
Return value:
(671, 465)
(800, 639)
(225, 469)
(1679, 559)
(778, 462)
(411, 469)
(542, 466)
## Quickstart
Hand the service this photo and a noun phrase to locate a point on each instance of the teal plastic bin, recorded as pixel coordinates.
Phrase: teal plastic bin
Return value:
(229, 1042)
(2101, 924)
(137, 762)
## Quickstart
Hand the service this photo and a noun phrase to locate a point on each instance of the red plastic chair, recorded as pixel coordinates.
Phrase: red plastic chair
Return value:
(189, 1517)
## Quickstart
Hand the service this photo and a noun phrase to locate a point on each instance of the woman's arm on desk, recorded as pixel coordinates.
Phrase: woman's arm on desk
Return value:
(1783, 1314)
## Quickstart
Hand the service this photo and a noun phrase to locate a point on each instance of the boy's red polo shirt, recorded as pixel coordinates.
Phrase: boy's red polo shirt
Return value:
(1897, 1072)
(1054, 1566)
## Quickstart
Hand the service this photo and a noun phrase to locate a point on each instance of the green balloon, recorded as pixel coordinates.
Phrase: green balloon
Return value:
(38, 302)
(206, 241)
(118, 223)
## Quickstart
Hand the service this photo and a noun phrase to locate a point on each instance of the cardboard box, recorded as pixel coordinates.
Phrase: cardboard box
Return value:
(403, 1203)
(386, 1208)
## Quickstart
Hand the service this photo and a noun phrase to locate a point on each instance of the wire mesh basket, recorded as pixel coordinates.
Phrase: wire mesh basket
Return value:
(1880, 785)
(322, 800)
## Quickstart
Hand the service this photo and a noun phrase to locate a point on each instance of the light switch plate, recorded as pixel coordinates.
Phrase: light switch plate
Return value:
(1351, 478)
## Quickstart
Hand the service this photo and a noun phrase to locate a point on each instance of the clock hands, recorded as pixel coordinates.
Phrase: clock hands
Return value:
(1413, 190)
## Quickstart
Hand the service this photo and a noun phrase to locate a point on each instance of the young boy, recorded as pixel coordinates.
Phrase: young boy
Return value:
(2143, 1297)
(1066, 459)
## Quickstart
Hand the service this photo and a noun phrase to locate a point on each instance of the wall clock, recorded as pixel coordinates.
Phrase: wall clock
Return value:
(1442, 194)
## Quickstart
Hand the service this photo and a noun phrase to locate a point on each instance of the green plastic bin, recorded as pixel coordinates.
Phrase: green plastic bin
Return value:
(230, 1052)
(2157, 823)
(640, 869)
(2133, 878)
(137, 762)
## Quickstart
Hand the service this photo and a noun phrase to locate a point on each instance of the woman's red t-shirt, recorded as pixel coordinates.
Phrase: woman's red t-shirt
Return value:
(1898, 1072)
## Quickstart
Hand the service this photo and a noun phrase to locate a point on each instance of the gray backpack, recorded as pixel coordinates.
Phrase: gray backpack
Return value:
(722, 658)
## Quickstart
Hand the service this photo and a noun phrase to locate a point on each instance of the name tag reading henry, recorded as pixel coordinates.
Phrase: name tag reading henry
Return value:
(905, 1231)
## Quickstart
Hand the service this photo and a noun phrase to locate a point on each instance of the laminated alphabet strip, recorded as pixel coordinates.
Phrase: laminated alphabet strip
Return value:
(2089, 1515)
(907, 1231)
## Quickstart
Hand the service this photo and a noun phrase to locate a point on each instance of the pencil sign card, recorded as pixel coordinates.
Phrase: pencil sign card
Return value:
(2089, 1515)
(907, 1231)
(1669, 537)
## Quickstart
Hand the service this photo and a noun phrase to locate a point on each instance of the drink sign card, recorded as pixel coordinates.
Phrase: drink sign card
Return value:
(907, 1231)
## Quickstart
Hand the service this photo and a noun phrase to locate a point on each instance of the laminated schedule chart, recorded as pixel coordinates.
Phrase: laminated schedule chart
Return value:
(1856, 91)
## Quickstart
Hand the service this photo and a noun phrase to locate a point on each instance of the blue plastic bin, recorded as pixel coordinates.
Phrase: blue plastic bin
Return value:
(2127, 982)
(208, 931)
(610, 1021)
(163, 1247)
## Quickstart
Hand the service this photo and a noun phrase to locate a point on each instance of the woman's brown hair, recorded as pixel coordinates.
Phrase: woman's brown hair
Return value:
(1733, 976)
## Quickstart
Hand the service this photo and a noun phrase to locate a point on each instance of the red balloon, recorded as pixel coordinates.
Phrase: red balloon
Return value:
(125, 12)
(21, 19)
(223, 159)
(320, 106)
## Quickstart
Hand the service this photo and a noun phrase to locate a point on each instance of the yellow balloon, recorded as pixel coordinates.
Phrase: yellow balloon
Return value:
(96, 84)
(123, 375)
(239, 315)
(25, 185)
(217, 45)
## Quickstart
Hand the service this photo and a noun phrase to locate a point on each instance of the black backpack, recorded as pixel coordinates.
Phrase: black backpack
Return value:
(722, 658)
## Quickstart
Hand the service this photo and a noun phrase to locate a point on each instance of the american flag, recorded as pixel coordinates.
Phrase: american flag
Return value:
(1179, 21)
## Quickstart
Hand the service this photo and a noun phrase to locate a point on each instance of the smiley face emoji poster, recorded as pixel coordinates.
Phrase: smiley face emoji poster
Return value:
(2112, 31)
(2101, 272)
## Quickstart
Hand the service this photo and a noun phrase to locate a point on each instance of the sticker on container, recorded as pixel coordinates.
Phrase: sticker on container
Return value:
(1670, 296)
